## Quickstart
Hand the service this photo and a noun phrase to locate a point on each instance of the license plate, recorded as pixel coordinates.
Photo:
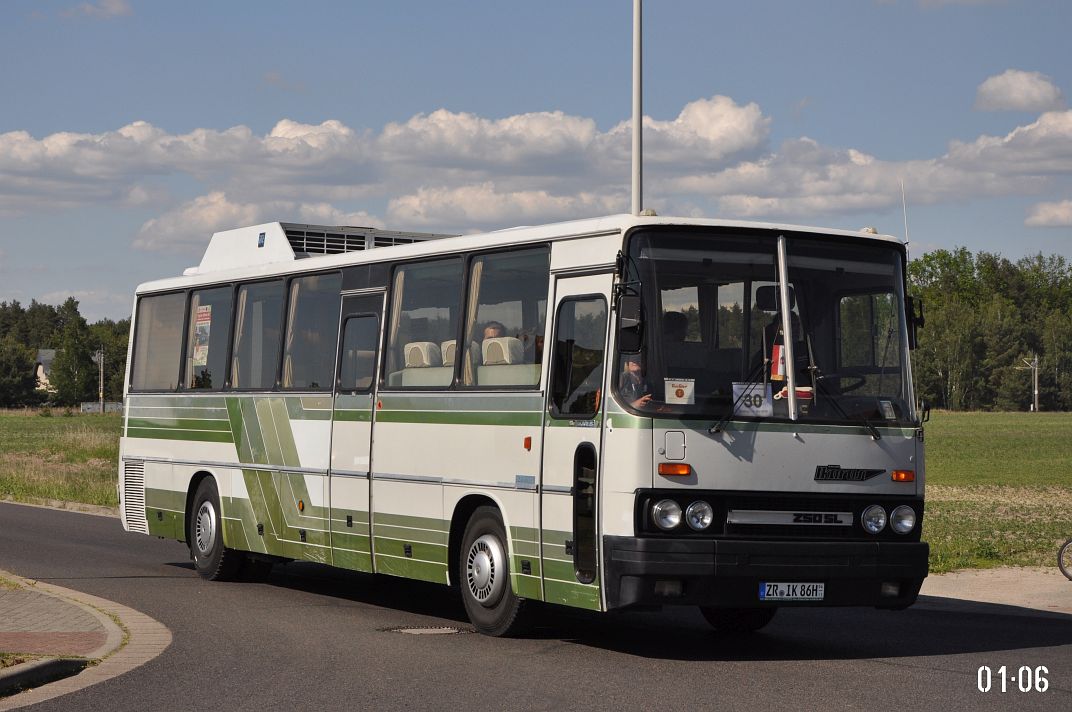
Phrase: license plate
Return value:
(790, 591)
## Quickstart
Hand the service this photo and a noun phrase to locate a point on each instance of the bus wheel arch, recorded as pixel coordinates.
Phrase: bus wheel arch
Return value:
(483, 571)
(463, 512)
(204, 531)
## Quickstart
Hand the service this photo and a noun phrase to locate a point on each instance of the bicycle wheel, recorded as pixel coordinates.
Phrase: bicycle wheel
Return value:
(1064, 559)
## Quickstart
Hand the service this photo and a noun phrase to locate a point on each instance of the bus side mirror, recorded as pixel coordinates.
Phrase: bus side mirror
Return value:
(630, 324)
(915, 319)
(924, 411)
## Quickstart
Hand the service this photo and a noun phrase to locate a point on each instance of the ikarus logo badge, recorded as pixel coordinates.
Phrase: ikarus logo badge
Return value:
(837, 473)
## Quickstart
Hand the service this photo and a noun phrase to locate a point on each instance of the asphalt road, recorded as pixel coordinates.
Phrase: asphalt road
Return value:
(316, 638)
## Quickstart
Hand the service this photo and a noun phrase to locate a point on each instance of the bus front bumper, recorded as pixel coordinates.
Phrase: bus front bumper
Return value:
(728, 572)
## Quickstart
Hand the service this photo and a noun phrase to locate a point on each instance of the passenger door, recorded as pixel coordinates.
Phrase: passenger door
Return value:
(572, 442)
(351, 438)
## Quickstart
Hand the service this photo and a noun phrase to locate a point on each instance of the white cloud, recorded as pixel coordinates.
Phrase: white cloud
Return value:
(1058, 214)
(187, 228)
(485, 206)
(1016, 90)
(102, 9)
(459, 171)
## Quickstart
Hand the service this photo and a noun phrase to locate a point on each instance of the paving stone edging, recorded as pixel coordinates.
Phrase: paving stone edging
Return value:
(138, 640)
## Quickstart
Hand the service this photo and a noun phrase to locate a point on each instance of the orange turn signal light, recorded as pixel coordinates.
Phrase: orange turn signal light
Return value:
(903, 475)
(674, 469)
(301, 505)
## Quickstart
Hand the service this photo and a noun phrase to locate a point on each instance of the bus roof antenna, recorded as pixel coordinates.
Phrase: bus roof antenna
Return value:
(638, 116)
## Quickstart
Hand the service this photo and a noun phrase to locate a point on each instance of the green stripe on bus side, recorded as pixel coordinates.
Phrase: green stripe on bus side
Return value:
(177, 413)
(526, 586)
(165, 499)
(353, 560)
(571, 594)
(188, 435)
(180, 424)
(406, 520)
(177, 401)
(353, 416)
(239, 515)
(263, 499)
(165, 524)
(434, 553)
(451, 402)
(284, 433)
(411, 534)
(534, 564)
(408, 568)
(434, 417)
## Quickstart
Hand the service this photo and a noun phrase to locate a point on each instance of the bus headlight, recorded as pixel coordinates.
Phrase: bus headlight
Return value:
(666, 513)
(699, 515)
(903, 519)
(873, 519)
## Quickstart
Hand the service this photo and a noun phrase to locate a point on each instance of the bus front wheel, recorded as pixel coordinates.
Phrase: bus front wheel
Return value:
(484, 575)
(737, 620)
(212, 560)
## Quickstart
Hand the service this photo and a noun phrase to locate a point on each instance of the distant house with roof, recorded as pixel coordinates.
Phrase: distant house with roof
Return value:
(43, 369)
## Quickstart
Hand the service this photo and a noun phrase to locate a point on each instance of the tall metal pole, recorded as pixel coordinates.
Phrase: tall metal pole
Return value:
(100, 385)
(637, 110)
(1034, 374)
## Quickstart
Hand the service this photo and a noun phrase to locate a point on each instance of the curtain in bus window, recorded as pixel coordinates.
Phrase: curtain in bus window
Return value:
(257, 335)
(472, 350)
(208, 323)
(312, 330)
(158, 342)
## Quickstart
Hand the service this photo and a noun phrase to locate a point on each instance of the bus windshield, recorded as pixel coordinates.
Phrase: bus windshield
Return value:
(715, 331)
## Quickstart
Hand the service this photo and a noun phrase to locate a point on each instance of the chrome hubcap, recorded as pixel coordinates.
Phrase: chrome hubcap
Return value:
(205, 528)
(485, 570)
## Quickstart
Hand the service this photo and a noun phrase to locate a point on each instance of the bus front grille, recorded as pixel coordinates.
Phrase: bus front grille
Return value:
(134, 496)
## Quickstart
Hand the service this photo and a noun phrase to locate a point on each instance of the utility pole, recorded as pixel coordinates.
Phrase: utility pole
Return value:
(100, 382)
(1033, 366)
(638, 112)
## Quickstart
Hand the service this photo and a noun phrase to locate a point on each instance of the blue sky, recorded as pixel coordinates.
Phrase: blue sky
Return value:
(131, 130)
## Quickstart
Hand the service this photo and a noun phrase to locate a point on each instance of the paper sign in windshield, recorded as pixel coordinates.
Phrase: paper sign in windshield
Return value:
(202, 329)
(680, 391)
(753, 399)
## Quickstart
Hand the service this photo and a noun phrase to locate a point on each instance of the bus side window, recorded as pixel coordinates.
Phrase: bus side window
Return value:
(257, 336)
(577, 368)
(208, 330)
(506, 315)
(358, 363)
(425, 315)
(158, 342)
(312, 318)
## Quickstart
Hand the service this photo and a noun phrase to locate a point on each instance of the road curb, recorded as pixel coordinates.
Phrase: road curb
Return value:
(134, 641)
(38, 672)
(66, 506)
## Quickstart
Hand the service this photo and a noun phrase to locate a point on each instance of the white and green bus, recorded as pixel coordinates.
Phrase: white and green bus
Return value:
(608, 413)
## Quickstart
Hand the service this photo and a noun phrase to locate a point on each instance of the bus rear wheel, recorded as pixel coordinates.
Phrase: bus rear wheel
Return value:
(484, 575)
(737, 620)
(212, 560)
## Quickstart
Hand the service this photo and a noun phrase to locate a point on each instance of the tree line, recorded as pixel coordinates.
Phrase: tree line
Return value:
(984, 315)
(74, 375)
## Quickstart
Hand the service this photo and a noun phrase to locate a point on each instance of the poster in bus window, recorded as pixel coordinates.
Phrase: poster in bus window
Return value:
(202, 328)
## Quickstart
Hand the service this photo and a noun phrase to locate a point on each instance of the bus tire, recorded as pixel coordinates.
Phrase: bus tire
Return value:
(484, 574)
(737, 620)
(212, 560)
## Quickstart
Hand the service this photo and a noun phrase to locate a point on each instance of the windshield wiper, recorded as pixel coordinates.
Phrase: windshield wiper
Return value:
(749, 384)
(817, 378)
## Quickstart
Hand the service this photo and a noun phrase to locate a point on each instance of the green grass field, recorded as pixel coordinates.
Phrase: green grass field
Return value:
(999, 485)
(71, 458)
